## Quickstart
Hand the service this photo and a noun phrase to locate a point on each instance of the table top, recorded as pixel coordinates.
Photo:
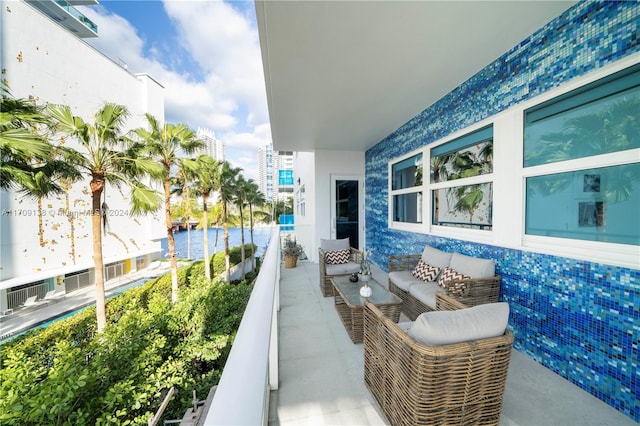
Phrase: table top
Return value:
(350, 292)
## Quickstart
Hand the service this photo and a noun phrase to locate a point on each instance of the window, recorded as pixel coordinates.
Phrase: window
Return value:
(599, 118)
(596, 196)
(406, 190)
(461, 187)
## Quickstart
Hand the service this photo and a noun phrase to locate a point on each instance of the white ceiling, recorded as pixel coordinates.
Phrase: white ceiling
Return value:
(342, 75)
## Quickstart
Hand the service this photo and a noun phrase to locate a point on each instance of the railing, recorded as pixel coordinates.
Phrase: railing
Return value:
(76, 14)
(251, 371)
(15, 299)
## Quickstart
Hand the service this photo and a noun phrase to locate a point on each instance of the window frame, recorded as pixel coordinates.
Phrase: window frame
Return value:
(509, 183)
(406, 226)
(427, 227)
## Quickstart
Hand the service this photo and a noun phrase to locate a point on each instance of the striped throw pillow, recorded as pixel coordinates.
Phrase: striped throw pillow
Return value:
(338, 257)
(450, 274)
(425, 272)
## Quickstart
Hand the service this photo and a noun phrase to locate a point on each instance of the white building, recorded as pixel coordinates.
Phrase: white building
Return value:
(45, 58)
(214, 147)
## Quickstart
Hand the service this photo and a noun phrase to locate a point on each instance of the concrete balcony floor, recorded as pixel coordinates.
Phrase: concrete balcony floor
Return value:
(321, 371)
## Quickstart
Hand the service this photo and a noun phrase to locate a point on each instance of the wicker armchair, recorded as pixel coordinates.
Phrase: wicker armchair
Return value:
(416, 384)
(329, 271)
(471, 292)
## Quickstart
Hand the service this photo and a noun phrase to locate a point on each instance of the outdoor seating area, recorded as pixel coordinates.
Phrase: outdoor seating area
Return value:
(322, 373)
(417, 278)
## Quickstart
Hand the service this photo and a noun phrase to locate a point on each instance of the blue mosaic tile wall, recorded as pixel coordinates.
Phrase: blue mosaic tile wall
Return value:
(579, 319)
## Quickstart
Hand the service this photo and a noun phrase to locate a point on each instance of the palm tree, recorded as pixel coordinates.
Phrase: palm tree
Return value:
(240, 199)
(164, 143)
(100, 159)
(205, 172)
(24, 152)
(184, 212)
(226, 189)
(254, 198)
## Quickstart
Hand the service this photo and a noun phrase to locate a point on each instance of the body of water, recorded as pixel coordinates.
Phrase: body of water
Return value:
(261, 238)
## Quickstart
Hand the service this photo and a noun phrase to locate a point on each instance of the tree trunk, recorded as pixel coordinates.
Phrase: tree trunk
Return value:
(242, 241)
(226, 241)
(171, 241)
(97, 186)
(205, 237)
(253, 254)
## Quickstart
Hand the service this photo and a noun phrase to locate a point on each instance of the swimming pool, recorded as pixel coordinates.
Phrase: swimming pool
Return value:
(111, 293)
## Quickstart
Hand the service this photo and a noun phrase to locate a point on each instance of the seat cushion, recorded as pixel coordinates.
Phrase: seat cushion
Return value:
(425, 272)
(403, 279)
(343, 268)
(333, 245)
(436, 257)
(338, 257)
(426, 293)
(463, 325)
(473, 266)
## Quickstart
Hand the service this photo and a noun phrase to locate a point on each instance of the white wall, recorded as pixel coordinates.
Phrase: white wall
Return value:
(328, 163)
(43, 60)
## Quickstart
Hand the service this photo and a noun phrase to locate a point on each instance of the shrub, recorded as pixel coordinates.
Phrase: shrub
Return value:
(66, 374)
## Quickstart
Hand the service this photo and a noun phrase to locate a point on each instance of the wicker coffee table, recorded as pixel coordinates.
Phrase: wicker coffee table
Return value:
(349, 304)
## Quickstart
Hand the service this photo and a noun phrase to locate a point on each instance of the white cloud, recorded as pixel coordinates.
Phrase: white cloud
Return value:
(229, 95)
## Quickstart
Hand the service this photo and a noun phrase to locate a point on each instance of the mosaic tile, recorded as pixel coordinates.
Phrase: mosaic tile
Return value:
(579, 319)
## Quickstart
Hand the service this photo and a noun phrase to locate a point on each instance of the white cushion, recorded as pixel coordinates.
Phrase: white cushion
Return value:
(426, 293)
(447, 327)
(403, 279)
(333, 245)
(436, 257)
(405, 326)
(473, 266)
(342, 268)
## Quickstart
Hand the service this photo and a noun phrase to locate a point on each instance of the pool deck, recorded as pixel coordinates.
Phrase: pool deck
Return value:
(22, 319)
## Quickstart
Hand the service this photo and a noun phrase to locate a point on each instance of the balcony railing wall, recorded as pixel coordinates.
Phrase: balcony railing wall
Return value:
(251, 371)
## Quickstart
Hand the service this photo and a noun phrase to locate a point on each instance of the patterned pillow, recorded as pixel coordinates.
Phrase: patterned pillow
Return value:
(425, 272)
(450, 274)
(338, 257)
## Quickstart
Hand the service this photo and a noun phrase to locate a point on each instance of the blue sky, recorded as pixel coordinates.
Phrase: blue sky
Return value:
(206, 54)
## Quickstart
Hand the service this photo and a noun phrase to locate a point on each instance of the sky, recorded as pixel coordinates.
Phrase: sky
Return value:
(206, 54)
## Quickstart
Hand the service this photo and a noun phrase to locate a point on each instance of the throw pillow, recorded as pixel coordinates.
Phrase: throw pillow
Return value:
(425, 272)
(450, 274)
(338, 257)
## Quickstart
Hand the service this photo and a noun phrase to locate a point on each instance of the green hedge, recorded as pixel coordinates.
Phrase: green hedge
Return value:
(65, 374)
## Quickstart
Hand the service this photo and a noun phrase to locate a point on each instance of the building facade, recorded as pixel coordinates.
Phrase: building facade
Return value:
(48, 245)
(214, 147)
(555, 203)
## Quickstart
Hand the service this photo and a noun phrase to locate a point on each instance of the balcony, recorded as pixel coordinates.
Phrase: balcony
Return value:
(68, 16)
(310, 372)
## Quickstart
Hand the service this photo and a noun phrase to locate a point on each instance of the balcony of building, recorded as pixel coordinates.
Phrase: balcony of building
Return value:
(293, 363)
(65, 14)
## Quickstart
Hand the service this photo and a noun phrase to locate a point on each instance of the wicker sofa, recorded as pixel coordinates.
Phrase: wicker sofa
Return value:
(481, 286)
(329, 269)
(419, 384)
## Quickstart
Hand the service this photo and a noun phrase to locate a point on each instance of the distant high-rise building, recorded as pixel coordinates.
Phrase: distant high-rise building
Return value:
(265, 171)
(275, 173)
(213, 147)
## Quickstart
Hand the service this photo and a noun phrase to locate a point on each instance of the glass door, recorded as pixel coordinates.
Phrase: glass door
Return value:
(346, 211)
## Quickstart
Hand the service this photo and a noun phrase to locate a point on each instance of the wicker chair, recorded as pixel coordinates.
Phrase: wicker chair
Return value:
(416, 384)
(329, 271)
(471, 292)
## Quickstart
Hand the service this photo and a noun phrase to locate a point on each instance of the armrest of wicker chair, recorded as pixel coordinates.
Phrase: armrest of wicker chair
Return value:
(413, 383)
(475, 291)
(403, 262)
